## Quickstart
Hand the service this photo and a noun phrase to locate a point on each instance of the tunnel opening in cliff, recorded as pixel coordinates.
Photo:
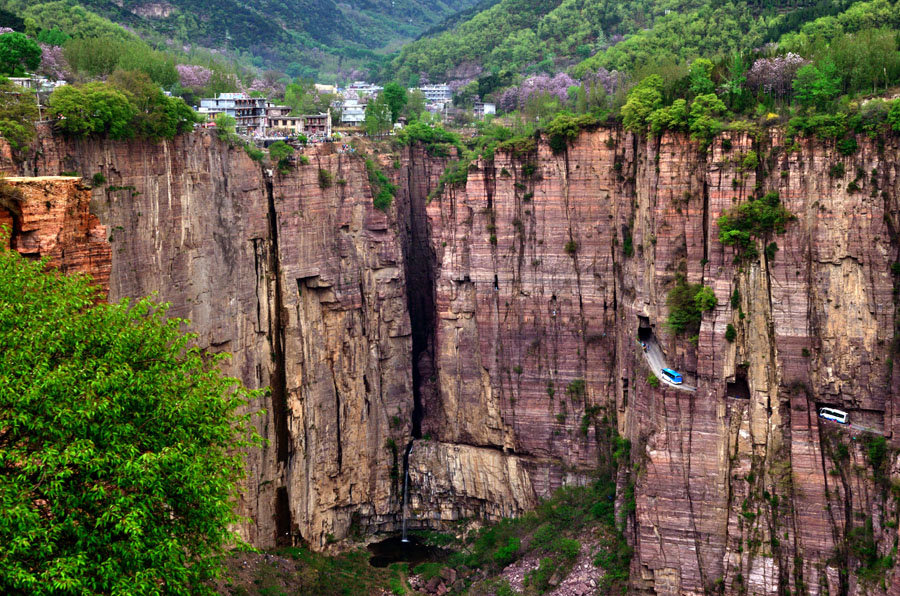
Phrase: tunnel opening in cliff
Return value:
(645, 331)
(738, 388)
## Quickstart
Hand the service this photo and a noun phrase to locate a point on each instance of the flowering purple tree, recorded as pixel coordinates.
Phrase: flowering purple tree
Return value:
(6, 30)
(53, 63)
(610, 81)
(193, 76)
(775, 75)
(557, 86)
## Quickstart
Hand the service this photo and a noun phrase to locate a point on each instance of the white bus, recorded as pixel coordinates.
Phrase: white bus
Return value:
(836, 415)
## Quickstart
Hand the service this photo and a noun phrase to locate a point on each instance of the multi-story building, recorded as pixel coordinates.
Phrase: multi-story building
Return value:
(317, 125)
(353, 112)
(249, 112)
(362, 89)
(287, 125)
(437, 93)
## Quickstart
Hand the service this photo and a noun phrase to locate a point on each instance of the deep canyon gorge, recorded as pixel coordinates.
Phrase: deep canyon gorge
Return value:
(490, 332)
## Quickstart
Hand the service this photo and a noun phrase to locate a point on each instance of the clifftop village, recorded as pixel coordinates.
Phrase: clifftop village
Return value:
(264, 121)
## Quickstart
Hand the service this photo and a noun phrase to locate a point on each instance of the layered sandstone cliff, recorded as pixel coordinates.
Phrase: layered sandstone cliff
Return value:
(497, 326)
(304, 285)
(740, 487)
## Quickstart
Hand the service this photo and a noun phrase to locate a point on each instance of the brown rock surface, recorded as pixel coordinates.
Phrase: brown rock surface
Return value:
(50, 217)
(519, 303)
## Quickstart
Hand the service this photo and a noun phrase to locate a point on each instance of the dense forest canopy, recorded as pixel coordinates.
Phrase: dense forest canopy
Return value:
(303, 37)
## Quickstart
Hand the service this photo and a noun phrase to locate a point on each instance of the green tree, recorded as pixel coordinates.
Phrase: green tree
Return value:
(93, 109)
(894, 115)
(396, 99)
(378, 116)
(121, 444)
(18, 54)
(687, 303)
(157, 116)
(415, 105)
(701, 77)
(673, 117)
(817, 85)
(225, 126)
(704, 124)
(643, 99)
(280, 152)
(18, 112)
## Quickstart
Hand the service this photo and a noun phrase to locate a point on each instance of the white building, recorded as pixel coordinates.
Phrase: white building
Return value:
(437, 93)
(362, 89)
(483, 109)
(353, 113)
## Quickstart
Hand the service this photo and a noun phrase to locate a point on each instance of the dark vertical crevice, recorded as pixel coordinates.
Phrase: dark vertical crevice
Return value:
(283, 522)
(419, 264)
(282, 518)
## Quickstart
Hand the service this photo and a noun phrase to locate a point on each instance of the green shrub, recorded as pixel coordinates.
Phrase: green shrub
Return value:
(428, 570)
(757, 218)
(280, 152)
(98, 179)
(836, 170)
(750, 161)
(254, 152)
(508, 553)
(571, 247)
(544, 536)
(539, 578)
(627, 243)
(304, 160)
(687, 303)
(326, 179)
(653, 380)
(576, 389)
(730, 333)
(847, 146)
(736, 299)
(566, 548)
(382, 190)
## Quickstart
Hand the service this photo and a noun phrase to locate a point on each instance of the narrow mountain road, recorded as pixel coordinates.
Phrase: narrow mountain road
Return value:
(852, 427)
(657, 361)
(866, 429)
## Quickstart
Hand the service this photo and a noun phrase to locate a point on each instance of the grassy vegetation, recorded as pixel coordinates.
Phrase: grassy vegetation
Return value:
(309, 572)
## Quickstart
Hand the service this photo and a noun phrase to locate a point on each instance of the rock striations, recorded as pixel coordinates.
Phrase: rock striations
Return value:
(496, 327)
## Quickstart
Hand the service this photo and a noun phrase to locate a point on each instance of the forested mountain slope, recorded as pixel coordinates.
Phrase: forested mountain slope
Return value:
(547, 35)
(316, 34)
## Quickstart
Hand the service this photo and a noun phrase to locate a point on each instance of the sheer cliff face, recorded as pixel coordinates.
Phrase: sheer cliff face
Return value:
(303, 285)
(499, 323)
(546, 266)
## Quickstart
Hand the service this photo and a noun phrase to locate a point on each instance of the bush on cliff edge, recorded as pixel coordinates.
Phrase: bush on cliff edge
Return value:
(120, 445)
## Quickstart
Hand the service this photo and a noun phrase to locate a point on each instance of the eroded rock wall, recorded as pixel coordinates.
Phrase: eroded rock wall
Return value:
(497, 323)
(547, 264)
(302, 282)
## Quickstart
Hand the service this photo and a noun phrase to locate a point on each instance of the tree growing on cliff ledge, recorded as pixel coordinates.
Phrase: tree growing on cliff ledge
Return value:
(119, 443)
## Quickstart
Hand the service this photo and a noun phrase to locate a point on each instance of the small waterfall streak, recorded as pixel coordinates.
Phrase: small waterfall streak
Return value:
(406, 489)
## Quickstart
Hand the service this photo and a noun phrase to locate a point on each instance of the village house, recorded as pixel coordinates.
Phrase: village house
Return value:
(359, 89)
(353, 112)
(439, 94)
(481, 109)
(248, 112)
(317, 125)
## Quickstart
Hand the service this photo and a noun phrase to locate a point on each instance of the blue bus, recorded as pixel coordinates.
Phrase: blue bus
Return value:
(672, 376)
